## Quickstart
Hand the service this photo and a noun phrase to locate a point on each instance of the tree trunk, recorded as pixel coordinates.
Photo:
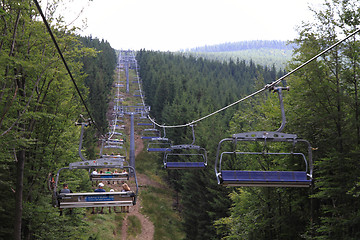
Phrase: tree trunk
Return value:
(19, 194)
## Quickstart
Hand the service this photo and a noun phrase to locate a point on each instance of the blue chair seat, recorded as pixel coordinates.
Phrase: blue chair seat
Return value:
(265, 178)
(184, 165)
(159, 150)
(148, 137)
(144, 124)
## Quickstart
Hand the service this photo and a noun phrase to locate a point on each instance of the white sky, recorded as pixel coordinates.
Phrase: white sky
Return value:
(170, 25)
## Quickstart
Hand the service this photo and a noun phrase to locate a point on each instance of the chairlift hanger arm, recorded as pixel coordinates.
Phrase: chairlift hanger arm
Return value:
(57, 178)
(164, 129)
(193, 134)
(83, 124)
(283, 118)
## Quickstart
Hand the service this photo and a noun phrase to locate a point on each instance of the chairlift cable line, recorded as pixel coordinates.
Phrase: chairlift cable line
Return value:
(64, 61)
(267, 86)
(313, 58)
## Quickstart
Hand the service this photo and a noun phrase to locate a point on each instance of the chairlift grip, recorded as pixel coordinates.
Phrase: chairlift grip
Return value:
(275, 89)
(283, 118)
(193, 133)
(80, 143)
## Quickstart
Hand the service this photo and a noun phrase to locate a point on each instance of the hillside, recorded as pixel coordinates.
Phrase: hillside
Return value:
(264, 53)
(53, 81)
(179, 90)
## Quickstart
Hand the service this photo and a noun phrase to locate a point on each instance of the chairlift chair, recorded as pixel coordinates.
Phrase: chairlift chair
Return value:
(150, 133)
(188, 151)
(159, 147)
(115, 141)
(116, 133)
(159, 144)
(118, 127)
(113, 146)
(107, 144)
(302, 178)
(145, 124)
(118, 156)
(95, 199)
(114, 177)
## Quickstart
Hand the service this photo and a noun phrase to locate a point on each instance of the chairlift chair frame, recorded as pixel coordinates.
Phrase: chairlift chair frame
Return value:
(187, 150)
(145, 124)
(150, 133)
(95, 199)
(159, 144)
(113, 146)
(265, 178)
(109, 177)
(115, 177)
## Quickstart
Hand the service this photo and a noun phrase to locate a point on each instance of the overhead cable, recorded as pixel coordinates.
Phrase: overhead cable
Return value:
(63, 60)
(267, 86)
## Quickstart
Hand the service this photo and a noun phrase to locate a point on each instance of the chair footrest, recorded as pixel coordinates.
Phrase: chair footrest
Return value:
(96, 204)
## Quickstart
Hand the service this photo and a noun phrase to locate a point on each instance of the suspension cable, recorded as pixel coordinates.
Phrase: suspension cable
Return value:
(267, 86)
(64, 61)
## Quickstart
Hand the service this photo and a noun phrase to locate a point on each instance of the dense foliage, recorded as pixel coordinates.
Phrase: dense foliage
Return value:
(265, 53)
(322, 107)
(328, 96)
(181, 89)
(38, 106)
(99, 74)
(244, 45)
(99, 71)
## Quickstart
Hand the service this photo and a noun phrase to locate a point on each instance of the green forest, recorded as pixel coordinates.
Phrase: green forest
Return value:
(39, 106)
(244, 45)
(265, 53)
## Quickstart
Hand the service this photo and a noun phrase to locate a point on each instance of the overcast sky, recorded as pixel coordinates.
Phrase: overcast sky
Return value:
(171, 25)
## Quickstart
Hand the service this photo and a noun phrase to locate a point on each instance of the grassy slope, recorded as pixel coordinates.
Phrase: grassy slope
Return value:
(157, 202)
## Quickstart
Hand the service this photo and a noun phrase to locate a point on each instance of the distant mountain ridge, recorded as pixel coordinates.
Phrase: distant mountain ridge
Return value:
(243, 45)
(262, 52)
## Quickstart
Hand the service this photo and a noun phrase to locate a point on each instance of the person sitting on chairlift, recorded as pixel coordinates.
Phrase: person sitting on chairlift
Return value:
(108, 172)
(126, 188)
(99, 189)
(115, 172)
(112, 190)
(65, 190)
